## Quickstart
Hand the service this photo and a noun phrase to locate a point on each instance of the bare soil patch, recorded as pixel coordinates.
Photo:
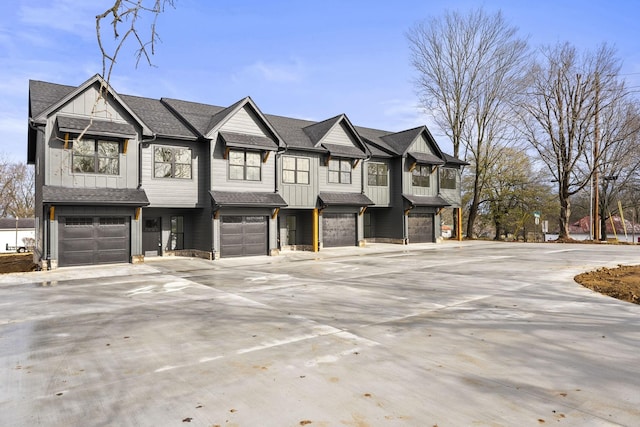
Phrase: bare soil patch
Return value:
(16, 263)
(622, 282)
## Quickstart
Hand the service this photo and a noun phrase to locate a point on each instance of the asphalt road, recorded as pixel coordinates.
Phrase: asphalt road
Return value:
(454, 334)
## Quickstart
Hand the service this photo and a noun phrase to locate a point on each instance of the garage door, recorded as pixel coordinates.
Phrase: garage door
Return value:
(93, 240)
(338, 230)
(243, 236)
(421, 228)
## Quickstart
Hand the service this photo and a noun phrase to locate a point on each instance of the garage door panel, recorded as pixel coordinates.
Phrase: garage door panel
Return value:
(93, 240)
(421, 228)
(338, 230)
(243, 236)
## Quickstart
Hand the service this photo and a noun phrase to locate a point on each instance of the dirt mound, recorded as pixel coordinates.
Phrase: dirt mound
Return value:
(16, 263)
(622, 282)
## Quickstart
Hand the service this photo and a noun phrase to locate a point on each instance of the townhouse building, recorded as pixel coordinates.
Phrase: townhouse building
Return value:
(120, 178)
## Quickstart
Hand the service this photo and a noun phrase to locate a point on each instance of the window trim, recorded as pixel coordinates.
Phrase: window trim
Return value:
(420, 179)
(173, 162)
(377, 175)
(95, 155)
(297, 170)
(342, 164)
(453, 180)
(244, 165)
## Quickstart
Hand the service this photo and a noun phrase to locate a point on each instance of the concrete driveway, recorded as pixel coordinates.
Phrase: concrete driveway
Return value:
(455, 334)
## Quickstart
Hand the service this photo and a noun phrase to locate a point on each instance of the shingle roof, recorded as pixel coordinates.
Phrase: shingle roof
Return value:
(345, 151)
(94, 196)
(198, 115)
(344, 199)
(432, 201)
(247, 198)
(162, 116)
(232, 139)
(317, 130)
(158, 117)
(42, 95)
(95, 126)
(454, 161)
(426, 158)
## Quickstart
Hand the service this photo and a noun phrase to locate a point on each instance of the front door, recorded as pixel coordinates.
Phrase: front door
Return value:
(152, 237)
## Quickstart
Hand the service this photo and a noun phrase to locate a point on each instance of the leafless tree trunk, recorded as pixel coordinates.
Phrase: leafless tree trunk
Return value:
(16, 190)
(567, 92)
(470, 70)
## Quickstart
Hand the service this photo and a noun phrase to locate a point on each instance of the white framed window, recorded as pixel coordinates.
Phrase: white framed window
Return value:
(172, 162)
(96, 156)
(377, 175)
(421, 176)
(295, 170)
(245, 165)
(339, 171)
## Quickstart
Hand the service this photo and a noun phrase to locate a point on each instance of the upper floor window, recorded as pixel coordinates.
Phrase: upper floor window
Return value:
(421, 176)
(340, 171)
(377, 174)
(295, 170)
(448, 178)
(172, 162)
(244, 165)
(96, 156)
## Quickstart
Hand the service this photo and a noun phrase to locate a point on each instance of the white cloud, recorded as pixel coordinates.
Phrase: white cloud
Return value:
(70, 16)
(272, 72)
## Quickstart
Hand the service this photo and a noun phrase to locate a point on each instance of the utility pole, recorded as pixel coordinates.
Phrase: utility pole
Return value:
(596, 154)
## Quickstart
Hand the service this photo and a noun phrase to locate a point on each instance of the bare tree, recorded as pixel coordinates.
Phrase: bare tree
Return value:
(570, 97)
(125, 16)
(16, 190)
(619, 163)
(470, 70)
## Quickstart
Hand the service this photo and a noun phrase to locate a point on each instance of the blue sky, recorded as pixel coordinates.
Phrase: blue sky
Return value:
(305, 59)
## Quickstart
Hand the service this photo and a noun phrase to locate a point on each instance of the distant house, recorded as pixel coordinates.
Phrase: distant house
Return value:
(17, 235)
(580, 230)
(143, 177)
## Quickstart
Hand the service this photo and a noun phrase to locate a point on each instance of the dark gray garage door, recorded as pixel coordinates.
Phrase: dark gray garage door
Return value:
(338, 230)
(93, 240)
(420, 228)
(243, 236)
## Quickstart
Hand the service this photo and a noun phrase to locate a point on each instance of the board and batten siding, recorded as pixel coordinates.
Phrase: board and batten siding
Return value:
(220, 173)
(325, 185)
(420, 145)
(300, 195)
(453, 196)
(58, 160)
(172, 192)
(380, 195)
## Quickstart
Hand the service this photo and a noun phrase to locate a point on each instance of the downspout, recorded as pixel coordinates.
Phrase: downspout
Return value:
(143, 141)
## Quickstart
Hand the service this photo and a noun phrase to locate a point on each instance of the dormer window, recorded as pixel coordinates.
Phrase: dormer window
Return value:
(421, 176)
(339, 171)
(245, 165)
(96, 156)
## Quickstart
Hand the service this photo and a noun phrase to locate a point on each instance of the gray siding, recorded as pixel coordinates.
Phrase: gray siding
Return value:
(57, 169)
(300, 195)
(339, 135)
(245, 121)
(453, 196)
(174, 192)
(325, 185)
(380, 195)
(220, 173)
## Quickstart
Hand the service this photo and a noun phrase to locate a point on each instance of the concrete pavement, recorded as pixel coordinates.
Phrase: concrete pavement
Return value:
(454, 334)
